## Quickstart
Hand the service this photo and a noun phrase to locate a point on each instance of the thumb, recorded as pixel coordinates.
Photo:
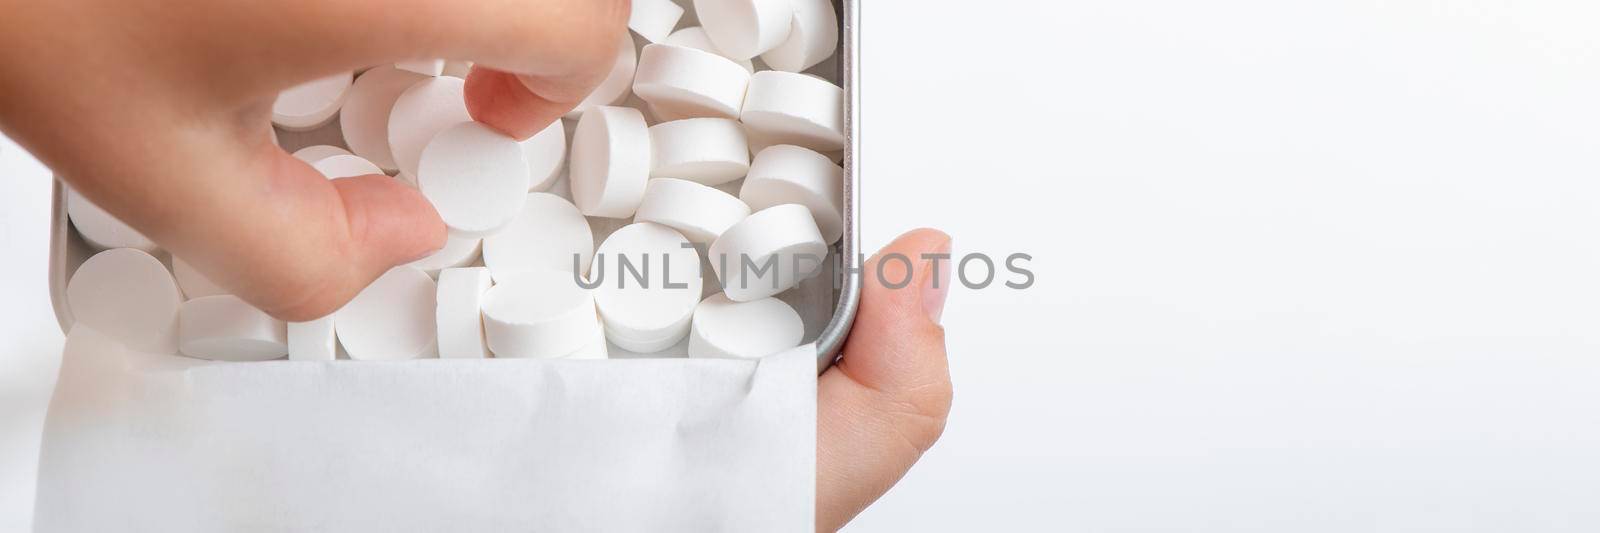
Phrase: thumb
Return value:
(886, 401)
(287, 239)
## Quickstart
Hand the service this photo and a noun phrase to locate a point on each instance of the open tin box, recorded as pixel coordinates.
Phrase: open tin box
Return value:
(827, 303)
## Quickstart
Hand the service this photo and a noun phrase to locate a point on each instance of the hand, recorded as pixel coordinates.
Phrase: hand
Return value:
(159, 112)
(885, 402)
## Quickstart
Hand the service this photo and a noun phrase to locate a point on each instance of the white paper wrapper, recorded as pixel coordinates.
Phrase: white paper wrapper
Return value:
(139, 442)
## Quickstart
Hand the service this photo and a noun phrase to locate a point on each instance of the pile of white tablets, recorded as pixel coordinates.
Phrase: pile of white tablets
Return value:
(696, 184)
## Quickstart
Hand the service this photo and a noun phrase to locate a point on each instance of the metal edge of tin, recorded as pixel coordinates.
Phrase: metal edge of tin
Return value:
(59, 232)
(831, 342)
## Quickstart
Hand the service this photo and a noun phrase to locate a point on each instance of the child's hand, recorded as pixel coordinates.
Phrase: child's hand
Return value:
(159, 112)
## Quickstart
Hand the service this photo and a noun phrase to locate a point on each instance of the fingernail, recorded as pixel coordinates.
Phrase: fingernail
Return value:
(938, 286)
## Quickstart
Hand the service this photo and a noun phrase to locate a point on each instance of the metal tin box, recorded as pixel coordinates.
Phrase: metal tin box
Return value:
(828, 303)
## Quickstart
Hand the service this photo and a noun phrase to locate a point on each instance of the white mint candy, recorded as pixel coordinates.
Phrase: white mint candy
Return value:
(726, 329)
(597, 349)
(653, 315)
(100, 228)
(699, 212)
(460, 313)
(770, 252)
(129, 296)
(425, 67)
(610, 161)
(422, 111)
(712, 151)
(192, 282)
(681, 82)
(548, 234)
(345, 166)
(798, 109)
(364, 121)
(312, 154)
(746, 28)
(392, 319)
(458, 252)
(545, 153)
(654, 19)
(316, 340)
(311, 104)
(695, 37)
(476, 178)
(614, 89)
(793, 175)
(539, 314)
(813, 37)
(225, 328)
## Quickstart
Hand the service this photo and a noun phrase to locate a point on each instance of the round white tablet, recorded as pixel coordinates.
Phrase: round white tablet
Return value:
(422, 111)
(758, 144)
(365, 117)
(425, 67)
(597, 348)
(225, 328)
(793, 175)
(813, 37)
(345, 166)
(798, 109)
(392, 319)
(654, 19)
(649, 282)
(460, 313)
(538, 314)
(770, 252)
(102, 230)
(316, 340)
(712, 151)
(610, 161)
(192, 282)
(699, 212)
(681, 82)
(695, 37)
(312, 154)
(546, 154)
(458, 252)
(727, 329)
(550, 234)
(614, 89)
(476, 178)
(311, 104)
(129, 296)
(746, 28)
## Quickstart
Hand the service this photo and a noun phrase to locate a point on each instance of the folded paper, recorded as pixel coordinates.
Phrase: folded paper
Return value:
(142, 442)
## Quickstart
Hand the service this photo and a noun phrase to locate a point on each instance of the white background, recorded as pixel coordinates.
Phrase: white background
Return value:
(1303, 266)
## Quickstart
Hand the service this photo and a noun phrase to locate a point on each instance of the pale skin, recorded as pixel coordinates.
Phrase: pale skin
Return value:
(159, 111)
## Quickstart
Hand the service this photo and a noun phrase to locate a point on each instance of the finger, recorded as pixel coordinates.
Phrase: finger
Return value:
(504, 102)
(886, 400)
(562, 48)
(272, 229)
